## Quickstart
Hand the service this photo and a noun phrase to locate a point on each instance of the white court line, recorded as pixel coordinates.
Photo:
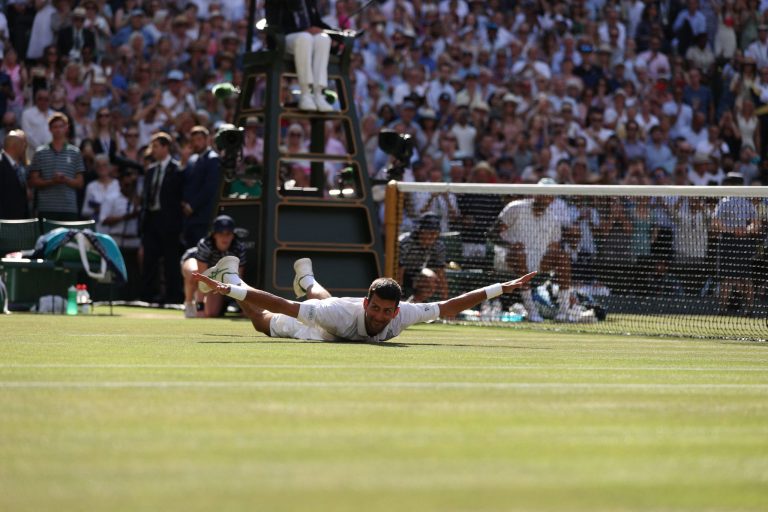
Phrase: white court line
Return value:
(385, 367)
(560, 386)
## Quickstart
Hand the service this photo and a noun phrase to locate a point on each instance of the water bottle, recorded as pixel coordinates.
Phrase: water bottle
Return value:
(516, 313)
(83, 299)
(496, 309)
(485, 311)
(72, 300)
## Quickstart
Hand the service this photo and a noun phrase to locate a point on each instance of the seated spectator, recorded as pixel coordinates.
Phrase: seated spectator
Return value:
(528, 235)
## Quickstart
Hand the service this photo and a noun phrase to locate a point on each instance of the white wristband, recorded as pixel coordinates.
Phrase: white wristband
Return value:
(237, 292)
(493, 291)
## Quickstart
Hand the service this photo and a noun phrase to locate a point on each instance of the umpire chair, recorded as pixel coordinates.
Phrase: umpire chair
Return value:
(333, 221)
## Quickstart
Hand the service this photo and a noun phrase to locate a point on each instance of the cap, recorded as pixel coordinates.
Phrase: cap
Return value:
(409, 105)
(78, 12)
(483, 166)
(511, 98)
(574, 82)
(604, 48)
(175, 74)
(162, 136)
(734, 177)
(701, 158)
(669, 109)
(180, 19)
(137, 12)
(429, 222)
(444, 97)
(252, 121)
(480, 105)
(427, 113)
(223, 223)
(547, 181)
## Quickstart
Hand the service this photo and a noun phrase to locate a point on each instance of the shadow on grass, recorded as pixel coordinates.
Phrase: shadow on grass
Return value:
(384, 344)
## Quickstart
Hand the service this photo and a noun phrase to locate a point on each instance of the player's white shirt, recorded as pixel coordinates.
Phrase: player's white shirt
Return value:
(536, 233)
(343, 319)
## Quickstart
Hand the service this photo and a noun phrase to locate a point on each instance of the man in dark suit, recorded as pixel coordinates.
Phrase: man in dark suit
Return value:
(14, 202)
(300, 21)
(73, 38)
(162, 223)
(201, 187)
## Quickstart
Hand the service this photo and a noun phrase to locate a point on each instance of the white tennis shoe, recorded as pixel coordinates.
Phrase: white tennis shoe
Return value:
(225, 271)
(307, 103)
(303, 268)
(322, 104)
(577, 314)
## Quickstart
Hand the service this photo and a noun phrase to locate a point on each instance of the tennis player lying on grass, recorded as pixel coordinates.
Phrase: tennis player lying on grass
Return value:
(378, 317)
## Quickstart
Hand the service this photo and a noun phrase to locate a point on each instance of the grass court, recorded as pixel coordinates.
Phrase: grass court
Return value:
(148, 411)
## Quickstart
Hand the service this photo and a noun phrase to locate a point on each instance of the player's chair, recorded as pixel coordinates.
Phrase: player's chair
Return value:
(48, 225)
(25, 280)
(28, 279)
(18, 235)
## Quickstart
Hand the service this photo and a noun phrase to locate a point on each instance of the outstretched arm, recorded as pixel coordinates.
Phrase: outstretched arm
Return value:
(456, 305)
(244, 293)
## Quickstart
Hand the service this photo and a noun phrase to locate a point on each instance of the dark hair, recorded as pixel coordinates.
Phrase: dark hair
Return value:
(385, 288)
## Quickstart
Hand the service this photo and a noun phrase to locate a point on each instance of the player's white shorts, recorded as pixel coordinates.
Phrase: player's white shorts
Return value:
(284, 326)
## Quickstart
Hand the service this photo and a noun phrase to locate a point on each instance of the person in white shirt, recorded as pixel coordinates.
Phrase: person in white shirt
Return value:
(378, 317)
(759, 49)
(176, 97)
(531, 234)
(99, 189)
(120, 213)
(34, 121)
(42, 34)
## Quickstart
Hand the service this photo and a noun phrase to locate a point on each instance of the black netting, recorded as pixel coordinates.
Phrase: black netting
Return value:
(661, 265)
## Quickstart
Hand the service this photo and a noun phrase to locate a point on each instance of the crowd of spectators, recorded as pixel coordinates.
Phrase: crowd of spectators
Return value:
(575, 91)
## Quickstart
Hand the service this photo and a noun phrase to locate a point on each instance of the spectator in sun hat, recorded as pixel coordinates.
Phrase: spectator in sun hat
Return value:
(220, 242)
(703, 171)
(177, 98)
(136, 24)
(73, 38)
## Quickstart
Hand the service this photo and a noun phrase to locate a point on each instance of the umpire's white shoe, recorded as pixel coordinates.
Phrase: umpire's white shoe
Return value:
(303, 268)
(322, 104)
(225, 271)
(307, 103)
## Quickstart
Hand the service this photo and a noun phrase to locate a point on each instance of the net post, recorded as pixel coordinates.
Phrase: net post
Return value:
(392, 200)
